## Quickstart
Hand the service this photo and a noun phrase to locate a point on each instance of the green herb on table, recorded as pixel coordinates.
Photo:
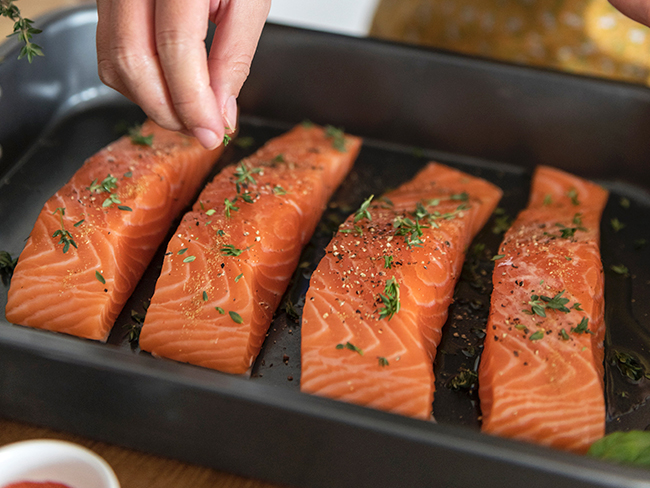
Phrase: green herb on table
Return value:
(383, 362)
(464, 380)
(631, 447)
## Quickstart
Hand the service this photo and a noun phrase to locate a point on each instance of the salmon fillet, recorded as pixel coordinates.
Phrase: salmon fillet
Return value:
(233, 255)
(377, 302)
(94, 237)
(541, 371)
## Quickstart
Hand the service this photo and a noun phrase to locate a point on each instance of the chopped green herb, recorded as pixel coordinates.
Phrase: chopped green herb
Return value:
(463, 197)
(617, 224)
(620, 269)
(278, 159)
(107, 185)
(247, 197)
(629, 365)
(363, 212)
(337, 136)
(244, 142)
(536, 336)
(464, 380)
(557, 302)
(135, 133)
(383, 362)
(7, 265)
(412, 231)
(230, 205)
(548, 199)
(230, 250)
(128, 174)
(624, 202)
(496, 257)
(291, 311)
(220, 310)
(564, 335)
(112, 198)
(182, 251)
(244, 175)
(351, 347)
(189, 259)
(135, 327)
(210, 212)
(239, 277)
(388, 262)
(390, 299)
(124, 208)
(77, 224)
(576, 306)
(537, 306)
(226, 139)
(573, 195)
(100, 278)
(221, 233)
(236, 317)
(65, 237)
(501, 224)
(278, 190)
(205, 296)
(582, 327)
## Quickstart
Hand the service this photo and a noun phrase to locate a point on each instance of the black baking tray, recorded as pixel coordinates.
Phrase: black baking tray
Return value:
(412, 105)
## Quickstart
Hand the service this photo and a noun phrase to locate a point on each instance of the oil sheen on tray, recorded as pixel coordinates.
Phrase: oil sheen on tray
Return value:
(541, 371)
(94, 238)
(378, 300)
(233, 255)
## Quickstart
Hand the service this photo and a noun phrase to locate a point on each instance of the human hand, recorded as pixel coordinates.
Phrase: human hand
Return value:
(638, 10)
(153, 52)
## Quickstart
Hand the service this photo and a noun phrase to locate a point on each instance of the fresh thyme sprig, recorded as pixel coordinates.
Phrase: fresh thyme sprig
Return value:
(65, 237)
(231, 250)
(411, 230)
(23, 29)
(7, 265)
(337, 136)
(390, 299)
(363, 212)
(135, 133)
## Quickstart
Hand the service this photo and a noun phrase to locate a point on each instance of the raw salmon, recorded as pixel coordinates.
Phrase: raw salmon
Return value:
(233, 255)
(541, 372)
(377, 302)
(94, 238)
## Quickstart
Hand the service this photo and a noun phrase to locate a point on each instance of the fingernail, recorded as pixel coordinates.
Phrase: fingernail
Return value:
(206, 137)
(230, 114)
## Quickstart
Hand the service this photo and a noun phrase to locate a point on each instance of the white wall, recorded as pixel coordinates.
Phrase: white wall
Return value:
(352, 17)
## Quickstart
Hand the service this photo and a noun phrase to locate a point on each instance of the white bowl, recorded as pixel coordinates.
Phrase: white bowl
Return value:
(56, 461)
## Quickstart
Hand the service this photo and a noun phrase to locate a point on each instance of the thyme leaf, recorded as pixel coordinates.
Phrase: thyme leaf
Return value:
(390, 299)
(351, 347)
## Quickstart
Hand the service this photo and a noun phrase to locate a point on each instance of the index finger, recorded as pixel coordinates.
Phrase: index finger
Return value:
(181, 28)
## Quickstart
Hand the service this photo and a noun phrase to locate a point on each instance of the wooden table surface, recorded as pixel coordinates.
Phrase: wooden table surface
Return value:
(133, 469)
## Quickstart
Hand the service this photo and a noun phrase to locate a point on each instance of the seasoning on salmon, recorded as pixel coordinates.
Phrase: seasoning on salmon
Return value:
(94, 237)
(541, 371)
(233, 255)
(377, 302)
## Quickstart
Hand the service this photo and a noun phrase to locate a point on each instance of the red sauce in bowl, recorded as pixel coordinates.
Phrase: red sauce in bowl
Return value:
(36, 484)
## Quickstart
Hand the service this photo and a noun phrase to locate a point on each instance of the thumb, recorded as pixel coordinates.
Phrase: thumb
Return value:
(638, 10)
(239, 25)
